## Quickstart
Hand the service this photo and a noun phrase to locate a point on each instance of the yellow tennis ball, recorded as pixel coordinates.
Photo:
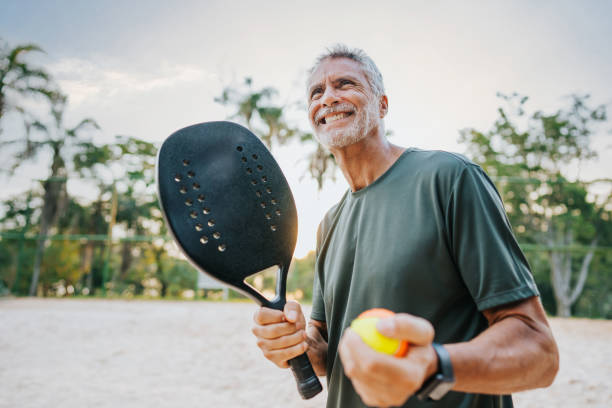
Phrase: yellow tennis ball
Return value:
(365, 326)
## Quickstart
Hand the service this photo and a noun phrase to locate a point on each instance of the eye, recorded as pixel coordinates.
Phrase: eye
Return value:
(316, 92)
(343, 82)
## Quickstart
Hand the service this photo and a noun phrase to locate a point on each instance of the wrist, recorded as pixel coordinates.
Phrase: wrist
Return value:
(433, 363)
(442, 381)
(317, 350)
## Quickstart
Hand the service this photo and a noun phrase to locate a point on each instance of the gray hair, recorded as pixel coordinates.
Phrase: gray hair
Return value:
(370, 69)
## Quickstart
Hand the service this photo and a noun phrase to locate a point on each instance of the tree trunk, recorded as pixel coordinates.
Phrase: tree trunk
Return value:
(126, 259)
(87, 269)
(92, 247)
(561, 275)
(40, 248)
(160, 271)
(53, 203)
(563, 309)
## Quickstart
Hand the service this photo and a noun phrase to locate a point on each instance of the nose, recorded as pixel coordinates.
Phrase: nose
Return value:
(329, 96)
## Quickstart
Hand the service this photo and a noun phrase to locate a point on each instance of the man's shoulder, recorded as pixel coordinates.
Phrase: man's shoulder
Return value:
(441, 159)
(331, 213)
(438, 166)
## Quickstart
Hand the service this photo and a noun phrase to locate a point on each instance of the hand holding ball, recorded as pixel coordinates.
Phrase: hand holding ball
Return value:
(365, 326)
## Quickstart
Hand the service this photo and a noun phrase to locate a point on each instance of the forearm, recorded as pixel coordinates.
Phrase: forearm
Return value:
(513, 354)
(317, 348)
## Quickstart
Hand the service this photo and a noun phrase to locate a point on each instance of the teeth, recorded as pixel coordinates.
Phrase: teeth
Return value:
(330, 119)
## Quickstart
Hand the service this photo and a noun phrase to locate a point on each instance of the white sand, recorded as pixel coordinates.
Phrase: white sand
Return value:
(102, 353)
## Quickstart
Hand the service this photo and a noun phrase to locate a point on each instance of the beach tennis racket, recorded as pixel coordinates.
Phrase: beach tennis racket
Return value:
(230, 210)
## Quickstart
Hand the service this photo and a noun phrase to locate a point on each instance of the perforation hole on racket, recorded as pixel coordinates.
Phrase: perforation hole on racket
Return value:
(210, 181)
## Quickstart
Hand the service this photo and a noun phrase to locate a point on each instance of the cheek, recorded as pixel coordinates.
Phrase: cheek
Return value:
(311, 113)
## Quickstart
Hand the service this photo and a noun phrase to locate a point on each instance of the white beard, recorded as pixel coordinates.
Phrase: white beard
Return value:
(359, 128)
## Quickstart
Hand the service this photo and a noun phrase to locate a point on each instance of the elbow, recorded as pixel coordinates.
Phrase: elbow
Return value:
(550, 361)
(553, 369)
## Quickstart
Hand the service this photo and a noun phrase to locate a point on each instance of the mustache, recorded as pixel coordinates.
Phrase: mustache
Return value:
(343, 107)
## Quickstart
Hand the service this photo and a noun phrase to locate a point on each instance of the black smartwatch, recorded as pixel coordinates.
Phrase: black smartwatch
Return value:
(436, 386)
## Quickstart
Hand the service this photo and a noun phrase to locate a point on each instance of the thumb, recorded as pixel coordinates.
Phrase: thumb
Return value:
(402, 326)
(293, 312)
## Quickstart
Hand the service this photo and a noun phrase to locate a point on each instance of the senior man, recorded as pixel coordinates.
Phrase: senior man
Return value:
(424, 234)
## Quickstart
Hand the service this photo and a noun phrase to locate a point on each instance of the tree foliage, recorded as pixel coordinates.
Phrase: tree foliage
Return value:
(52, 242)
(20, 80)
(260, 112)
(529, 155)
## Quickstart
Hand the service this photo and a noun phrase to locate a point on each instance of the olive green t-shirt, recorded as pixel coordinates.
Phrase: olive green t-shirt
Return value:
(430, 237)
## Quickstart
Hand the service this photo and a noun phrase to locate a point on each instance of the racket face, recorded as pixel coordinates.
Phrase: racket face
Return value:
(227, 203)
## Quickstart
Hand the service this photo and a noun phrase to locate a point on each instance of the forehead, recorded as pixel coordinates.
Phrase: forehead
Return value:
(332, 68)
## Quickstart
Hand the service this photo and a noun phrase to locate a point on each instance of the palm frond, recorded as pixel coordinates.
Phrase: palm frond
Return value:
(82, 124)
(21, 49)
(27, 73)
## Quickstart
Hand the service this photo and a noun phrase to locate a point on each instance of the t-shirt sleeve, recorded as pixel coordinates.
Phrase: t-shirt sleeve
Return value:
(488, 257)
(318, 307)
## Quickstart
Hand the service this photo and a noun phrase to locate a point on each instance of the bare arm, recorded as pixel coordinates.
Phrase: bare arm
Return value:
(517, 352)
(317, 346)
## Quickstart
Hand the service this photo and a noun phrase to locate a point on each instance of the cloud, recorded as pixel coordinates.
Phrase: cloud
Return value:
(84, 80)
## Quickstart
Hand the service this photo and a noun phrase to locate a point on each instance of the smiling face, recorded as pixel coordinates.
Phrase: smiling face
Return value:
(342, 107)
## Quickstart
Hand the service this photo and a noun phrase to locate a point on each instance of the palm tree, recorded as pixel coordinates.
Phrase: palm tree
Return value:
(21, 79)
(256, 108)
(64, 144)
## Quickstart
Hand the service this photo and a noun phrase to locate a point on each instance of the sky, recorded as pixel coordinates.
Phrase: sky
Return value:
(148, 68)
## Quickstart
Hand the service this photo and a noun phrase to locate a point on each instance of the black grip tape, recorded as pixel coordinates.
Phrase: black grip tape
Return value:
(307, 381)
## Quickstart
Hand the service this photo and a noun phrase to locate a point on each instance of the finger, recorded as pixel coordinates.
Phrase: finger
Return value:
(351, 343)
(283, 355)
(375, 394)
(282, 342)
(352, 350)
(402, 326)
(274, 331)
(265, 315)
(362, 362)
(370, 378)
(366, 393)
(293, 313)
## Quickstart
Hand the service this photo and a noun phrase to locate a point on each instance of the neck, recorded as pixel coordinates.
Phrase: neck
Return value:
(365, 161)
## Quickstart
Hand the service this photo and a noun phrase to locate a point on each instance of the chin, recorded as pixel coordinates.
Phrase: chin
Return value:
(346, 135)
(339, 138)
(353, 132)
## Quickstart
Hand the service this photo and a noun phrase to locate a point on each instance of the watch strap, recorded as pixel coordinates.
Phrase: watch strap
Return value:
(438, 385)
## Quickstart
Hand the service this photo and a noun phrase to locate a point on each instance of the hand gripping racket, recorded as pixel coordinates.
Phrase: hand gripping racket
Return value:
(231, 212)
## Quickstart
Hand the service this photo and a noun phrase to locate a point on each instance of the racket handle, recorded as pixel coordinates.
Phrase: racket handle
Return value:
(307, 381)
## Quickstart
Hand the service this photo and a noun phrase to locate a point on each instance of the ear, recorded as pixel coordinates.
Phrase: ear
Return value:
(384, 106)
